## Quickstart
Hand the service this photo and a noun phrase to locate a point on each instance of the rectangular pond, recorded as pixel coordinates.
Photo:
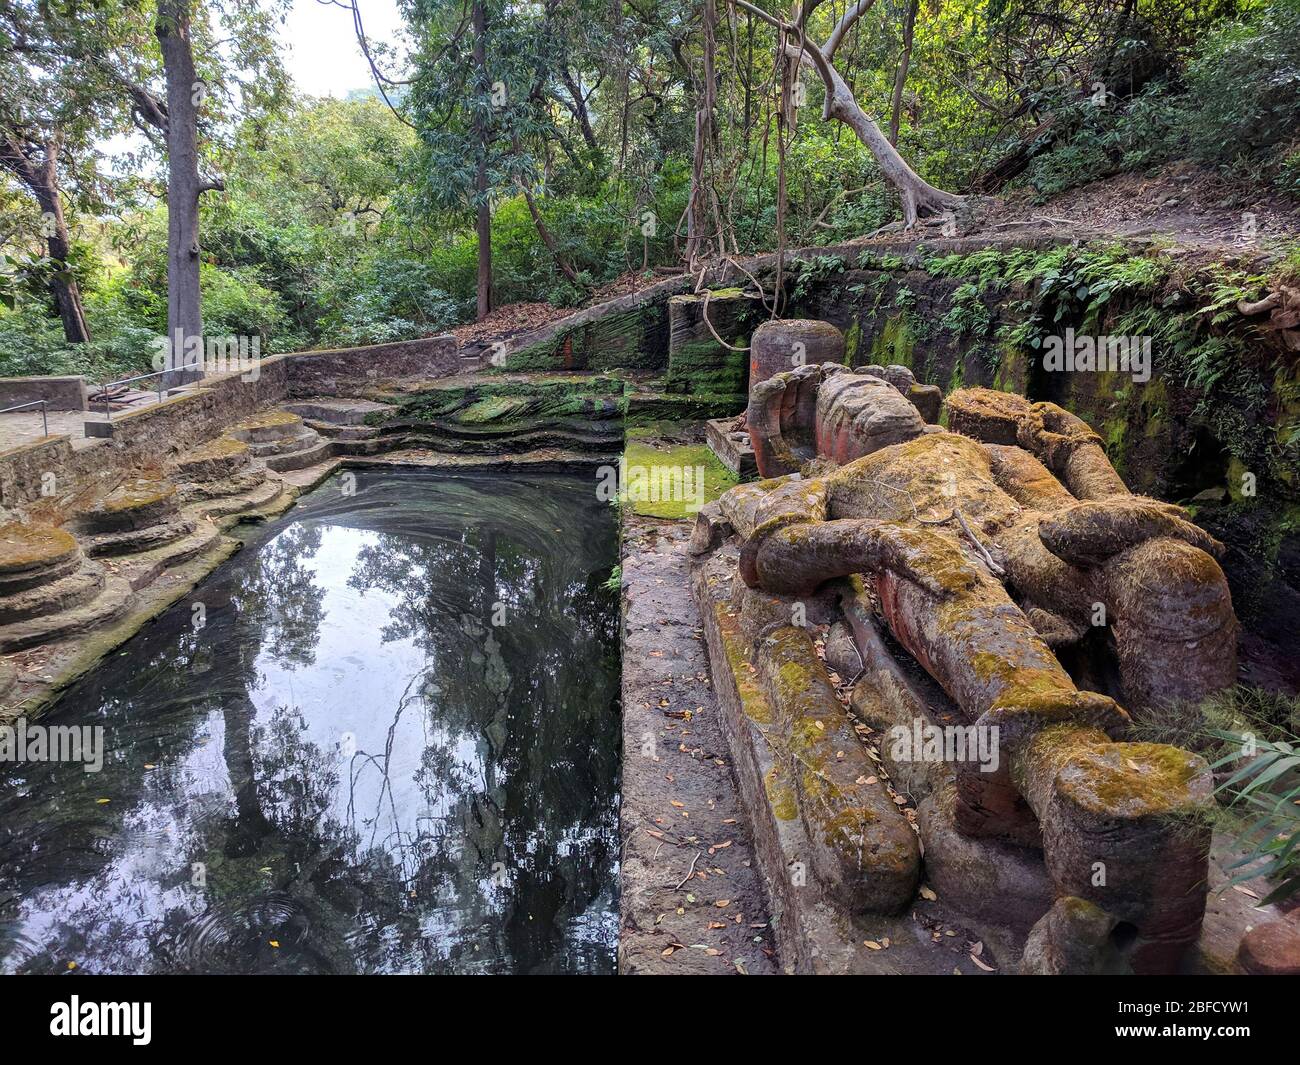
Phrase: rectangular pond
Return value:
(383, 737)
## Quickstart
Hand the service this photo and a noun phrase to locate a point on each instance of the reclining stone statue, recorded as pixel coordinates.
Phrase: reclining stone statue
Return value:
(990, 546)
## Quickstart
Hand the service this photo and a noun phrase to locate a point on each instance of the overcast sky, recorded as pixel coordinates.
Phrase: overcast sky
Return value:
(320, 47)
(320, 51)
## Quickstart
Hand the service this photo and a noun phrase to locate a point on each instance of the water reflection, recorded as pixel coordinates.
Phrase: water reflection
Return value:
(392, 747)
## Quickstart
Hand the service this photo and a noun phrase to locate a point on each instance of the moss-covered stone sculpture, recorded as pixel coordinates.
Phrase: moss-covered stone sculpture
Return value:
(989, 551)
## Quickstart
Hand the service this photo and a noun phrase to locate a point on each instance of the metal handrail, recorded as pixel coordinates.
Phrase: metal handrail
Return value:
(42, 403)
(108, 412)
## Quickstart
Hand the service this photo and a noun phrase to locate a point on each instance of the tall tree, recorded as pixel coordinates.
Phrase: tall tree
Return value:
(36, 164)
(699, 239)
(480, 102)
(917, 194)
(180, 124)
(482, 187)
(900, 75)
(48, 118)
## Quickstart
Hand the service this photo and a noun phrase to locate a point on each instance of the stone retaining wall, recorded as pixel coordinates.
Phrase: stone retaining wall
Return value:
(160, 432)
(60, 393)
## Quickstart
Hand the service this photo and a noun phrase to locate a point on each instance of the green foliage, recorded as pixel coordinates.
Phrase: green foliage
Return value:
(1235, 106)
(969, 316)
(614, 582)
(1248, 735)
(814, 272)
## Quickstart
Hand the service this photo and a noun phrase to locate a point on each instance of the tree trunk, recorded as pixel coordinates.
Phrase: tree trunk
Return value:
(579, 108)
(918, 195)
(43, 182)
(483, 222)
(900, 78)
(548, 238)
(184, 186)
(63, 285)
(697, 212)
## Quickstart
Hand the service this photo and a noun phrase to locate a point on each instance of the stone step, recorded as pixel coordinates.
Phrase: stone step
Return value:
(284, 445)
(255, 498)
(145, 568)
(136, 504)
(270, 425)
(332, 411)
(245, 480)
(342, 432)
(218, 458)
(135, 540)
(301, 459)
(34, 578)
(509, 445)
(32, 554)
(66, 593)
(106, 607)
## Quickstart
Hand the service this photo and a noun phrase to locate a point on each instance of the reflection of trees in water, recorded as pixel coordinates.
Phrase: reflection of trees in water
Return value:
(280, 604)
(516, 768)
(531, 698)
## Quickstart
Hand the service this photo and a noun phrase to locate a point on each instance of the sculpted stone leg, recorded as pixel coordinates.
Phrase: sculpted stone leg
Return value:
(1124, 827)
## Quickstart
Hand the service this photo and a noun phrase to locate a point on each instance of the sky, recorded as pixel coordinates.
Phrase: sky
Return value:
(321, 51)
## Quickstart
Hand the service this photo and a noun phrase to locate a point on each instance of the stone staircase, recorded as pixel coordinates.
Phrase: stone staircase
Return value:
(223, 478)
(49, 589)
(486, 415)
(282, 440)
(142, 527)
(340, 420)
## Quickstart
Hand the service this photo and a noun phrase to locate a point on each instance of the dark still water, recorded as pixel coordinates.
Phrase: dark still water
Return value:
(391, 747)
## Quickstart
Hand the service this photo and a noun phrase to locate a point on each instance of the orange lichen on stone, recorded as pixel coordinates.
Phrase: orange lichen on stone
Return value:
(24, 547)
(135, 494)
(218, 447)
(268, 419)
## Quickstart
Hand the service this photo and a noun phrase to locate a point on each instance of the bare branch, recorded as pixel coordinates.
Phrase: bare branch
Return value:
(845, 24)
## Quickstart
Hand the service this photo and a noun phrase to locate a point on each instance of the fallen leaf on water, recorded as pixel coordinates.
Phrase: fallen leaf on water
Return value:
(983, 965)
(872, 944)
(102, 801)
(274, 942)
(722, 903)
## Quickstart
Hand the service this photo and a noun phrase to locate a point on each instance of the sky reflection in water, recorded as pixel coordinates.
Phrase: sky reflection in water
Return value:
(351, 760)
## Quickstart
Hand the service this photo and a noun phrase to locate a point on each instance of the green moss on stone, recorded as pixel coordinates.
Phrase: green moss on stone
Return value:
(692, 466)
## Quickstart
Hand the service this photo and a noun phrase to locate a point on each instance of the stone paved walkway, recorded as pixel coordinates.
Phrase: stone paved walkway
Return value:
(692, 900)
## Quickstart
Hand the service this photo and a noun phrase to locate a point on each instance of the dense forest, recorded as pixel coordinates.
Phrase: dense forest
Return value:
(545, 152)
